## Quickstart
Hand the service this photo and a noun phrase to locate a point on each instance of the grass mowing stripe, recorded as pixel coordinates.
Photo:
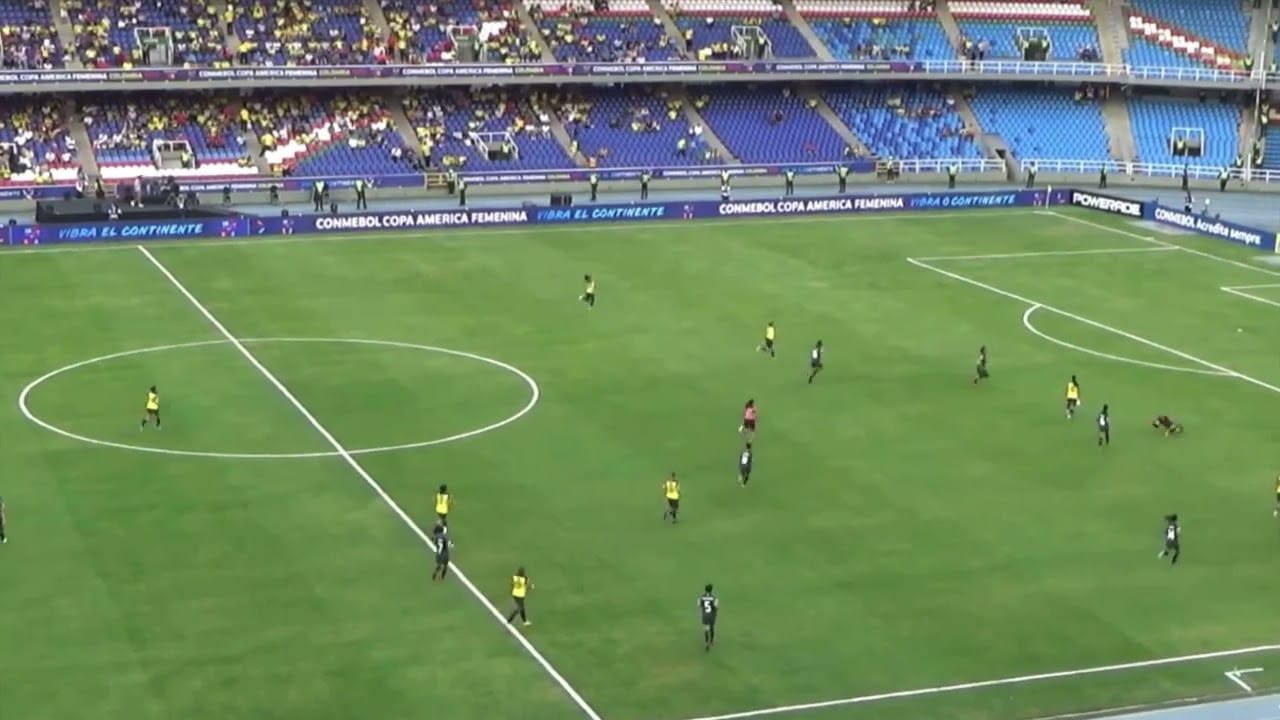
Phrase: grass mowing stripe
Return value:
(370, 481)
(1020, 680)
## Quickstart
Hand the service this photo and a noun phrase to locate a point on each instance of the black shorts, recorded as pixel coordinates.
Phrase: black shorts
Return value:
(748, 424)
(588, 297)
(442, 559)
(815, 364)
(1277, 504)
(444, 518)
(519, 602)
(1171, 545)
(744, 470)
(708, 621)
(1104, 430)
(673, 503)
(768, 343)
(152, 413)
(1072, 403)
(982, 371)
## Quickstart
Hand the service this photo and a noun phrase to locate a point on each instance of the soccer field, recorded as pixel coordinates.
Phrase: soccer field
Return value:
(910, 545)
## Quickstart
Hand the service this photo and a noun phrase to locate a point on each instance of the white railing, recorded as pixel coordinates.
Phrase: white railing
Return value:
(1151, 170)
(939, 165)
(1099, 71)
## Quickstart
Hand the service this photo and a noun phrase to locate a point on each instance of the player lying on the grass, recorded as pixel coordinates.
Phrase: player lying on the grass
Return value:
(1167, 424)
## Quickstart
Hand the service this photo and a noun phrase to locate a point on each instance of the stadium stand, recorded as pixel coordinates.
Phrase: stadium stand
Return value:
(996, 30)
(1155, 119)
(432, 32)
(632, 127)
(330, 134)
(305, 32)
(27, 36)
(712, 28)
(1043, 123)
(454, 127)
(619, 31)
(903, 121)
(130, 136)
(1173, 33)
(856, 30)
(770, 125)
(34, 143)
(1271, 138)
(174, 32)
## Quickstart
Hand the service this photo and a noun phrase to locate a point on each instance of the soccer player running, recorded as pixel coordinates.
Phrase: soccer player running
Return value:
(1073, 396)
(520, 587)
(440, 538)
(709, 608)
(981, 373)
(748, 427)
(589, 294)
(1167, 425)
(744, 465)
(770, 332)
(815, 361)
(152, 409)
(1172, 539)
(1104, 426)
(444, 501)
(4, 538)
(671, 491)
(1274, 513)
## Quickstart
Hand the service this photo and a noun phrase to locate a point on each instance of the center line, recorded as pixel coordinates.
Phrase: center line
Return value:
(373, 484)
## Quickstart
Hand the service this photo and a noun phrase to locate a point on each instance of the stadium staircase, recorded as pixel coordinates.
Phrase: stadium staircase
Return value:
(806, 31)
(708, 134)
(824, 110)
(1259, 34)
(66, 36)
(668, 24)
(231, 41)
(253, 146)
(1181, 41)
(1113, 39)
(1115, 115)
(84, 145)
(949, 25)
(1248, 131)
(526, 19)
(378, 17)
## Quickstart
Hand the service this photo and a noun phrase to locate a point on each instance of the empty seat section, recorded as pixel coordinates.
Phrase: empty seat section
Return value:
(1145, 53)
(1043, 124)
(630, 127)
(903, 121)
(705, 36)
(769, 125)
(1153, 119)
(1222, 24)
(1068, 41)
(883, 38)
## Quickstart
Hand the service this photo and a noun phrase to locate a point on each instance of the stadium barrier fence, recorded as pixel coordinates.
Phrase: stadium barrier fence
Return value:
(1189, 220)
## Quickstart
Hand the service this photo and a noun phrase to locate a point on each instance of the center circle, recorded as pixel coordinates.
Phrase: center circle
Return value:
(529, 382)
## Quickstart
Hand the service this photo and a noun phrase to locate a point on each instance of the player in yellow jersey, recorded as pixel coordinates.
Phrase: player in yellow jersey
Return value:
(770, 332)
(152, 411)
(520, 587)
(1073, 396)
(589, 294)
(444, 501)
(671, 491)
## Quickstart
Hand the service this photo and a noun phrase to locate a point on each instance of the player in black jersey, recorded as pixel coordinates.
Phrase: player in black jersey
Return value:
(980, 373)
(440, 538)
(1104, 426)
(815, 361)
(709, 608)
(744, 465)
(1172, 539)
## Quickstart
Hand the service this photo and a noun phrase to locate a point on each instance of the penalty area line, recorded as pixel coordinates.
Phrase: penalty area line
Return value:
(1051, 253)
(373, 484)
(981, 684)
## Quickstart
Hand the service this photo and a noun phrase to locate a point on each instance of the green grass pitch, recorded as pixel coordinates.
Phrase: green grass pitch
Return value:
(904, 530)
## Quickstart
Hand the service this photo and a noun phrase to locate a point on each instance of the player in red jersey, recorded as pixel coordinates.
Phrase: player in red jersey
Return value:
(1167, 424)
(748, 427)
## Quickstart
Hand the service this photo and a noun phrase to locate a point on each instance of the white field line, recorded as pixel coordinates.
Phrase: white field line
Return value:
(1026, 322)
(1249, 296)
(1263, 286)
(342, 452)
(1162, 243)
(1093, 323)
(1001, 682)
(1050, 253)
(499, 231)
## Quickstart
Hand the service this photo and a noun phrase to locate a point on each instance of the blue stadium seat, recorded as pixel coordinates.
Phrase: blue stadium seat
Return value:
(1144, 53)
(903, 121)
(785, 38)
(859, 38)
(1153, 119)
(28, 18)
(1223, 24)
(1042, 123)
(748, 123)
(1066, 38)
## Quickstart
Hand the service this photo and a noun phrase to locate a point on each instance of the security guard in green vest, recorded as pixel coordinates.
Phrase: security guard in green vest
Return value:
(318, 191)
(725, 190)
(1102, 177)
(462, 191)
(362, 188)
(682, 147)
(188, 160)
(594, 180)
(842, 177)
(645, 177)
(451, 181)
(1248, 63)
(1238, 163)
(791, 182)
(1032, 169)
(1223, 175)
(952, 171)
(1180, 147)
